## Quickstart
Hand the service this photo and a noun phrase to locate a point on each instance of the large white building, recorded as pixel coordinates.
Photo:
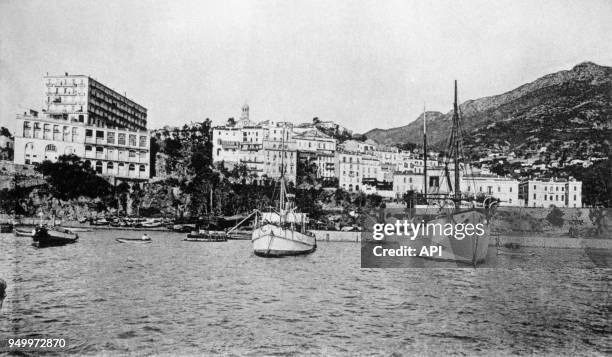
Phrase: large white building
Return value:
(85, 118)
(551, 192)
(505, 189)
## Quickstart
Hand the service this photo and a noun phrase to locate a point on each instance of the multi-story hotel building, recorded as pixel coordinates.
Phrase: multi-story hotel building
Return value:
(551, 192)
(85, 118)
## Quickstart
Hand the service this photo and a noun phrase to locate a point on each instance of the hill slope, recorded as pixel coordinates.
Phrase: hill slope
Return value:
(572, 107)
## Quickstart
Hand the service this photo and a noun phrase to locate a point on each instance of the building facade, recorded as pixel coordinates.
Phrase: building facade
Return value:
(85, 118)
(551, 192)
(505, 189)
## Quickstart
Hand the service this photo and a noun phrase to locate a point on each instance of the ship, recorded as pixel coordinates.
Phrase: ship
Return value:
(281, 231)
(452, 209)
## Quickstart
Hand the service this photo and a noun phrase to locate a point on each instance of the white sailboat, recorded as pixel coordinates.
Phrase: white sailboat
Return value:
(282, 232)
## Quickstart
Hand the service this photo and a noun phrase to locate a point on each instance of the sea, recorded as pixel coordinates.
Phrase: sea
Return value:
(173, 297)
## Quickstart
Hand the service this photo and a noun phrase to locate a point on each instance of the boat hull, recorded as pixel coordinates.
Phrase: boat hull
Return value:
(23, 232)
(470, 249)
(204, 239)
(274, 241)
(50, 237)
(133, 240)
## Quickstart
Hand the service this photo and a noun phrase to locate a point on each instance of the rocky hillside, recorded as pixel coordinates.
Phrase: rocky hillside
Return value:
(571, 108)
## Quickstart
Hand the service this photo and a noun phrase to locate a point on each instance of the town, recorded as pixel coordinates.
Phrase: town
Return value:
(109, 132)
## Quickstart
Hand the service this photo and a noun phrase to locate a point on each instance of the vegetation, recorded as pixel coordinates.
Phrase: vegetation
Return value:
(70, 178)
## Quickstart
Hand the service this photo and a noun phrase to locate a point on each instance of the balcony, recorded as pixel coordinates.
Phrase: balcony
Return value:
(229, 144)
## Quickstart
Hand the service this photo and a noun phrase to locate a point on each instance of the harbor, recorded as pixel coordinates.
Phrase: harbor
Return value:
(99, 294)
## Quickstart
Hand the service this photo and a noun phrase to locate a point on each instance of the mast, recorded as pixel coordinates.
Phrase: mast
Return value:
(424, 152)
(281, 199)
(456, 150)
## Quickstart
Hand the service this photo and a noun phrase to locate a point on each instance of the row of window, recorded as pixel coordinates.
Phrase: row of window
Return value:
(110, 167)
(556, 197)
(49, 132)
(110, 138)
(551, 188)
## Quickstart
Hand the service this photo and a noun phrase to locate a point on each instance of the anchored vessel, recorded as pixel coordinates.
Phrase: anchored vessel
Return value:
(450, 210)
(53, 236)
(282, 232)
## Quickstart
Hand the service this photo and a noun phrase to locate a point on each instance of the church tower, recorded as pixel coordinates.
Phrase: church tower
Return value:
(244, 116)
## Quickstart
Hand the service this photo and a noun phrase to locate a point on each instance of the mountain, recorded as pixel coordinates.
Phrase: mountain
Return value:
(569, 109)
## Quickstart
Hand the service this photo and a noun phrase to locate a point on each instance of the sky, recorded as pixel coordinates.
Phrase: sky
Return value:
(363, 64)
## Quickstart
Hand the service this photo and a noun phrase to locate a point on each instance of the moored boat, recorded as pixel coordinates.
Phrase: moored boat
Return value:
(206, 236)
(6, 227)
(53, 236)
(282, 232)
(134, 240)
(99, 222)
(471, 249)
(24, 231)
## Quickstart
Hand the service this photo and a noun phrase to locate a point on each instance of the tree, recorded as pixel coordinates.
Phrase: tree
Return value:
(555, 217)
(69, 178)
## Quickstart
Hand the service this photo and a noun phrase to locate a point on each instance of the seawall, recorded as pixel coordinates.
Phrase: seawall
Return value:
(337, 236)
(553, 242)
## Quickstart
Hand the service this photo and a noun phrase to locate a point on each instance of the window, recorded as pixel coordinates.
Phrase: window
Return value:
(143, 141)
(534, 196)
(75, 134)
(132, 167)
(87, 147)
(142, 168)
(132, 140)
(51, 148)
(510, 189)
(99, 167)
(574, 197)
(47, 131)
(109, 166)
(26, 128)
(121, 140)
(88, 133)
(99, 134)
(110, 137)
(99, 149)
(132, 153)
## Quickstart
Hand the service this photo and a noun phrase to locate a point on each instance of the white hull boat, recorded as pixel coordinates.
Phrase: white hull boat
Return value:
(271, 240)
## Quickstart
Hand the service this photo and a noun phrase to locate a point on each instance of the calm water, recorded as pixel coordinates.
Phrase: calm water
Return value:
(175, 297)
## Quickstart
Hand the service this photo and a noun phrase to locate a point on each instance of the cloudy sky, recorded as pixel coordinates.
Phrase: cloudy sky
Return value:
(364, 64)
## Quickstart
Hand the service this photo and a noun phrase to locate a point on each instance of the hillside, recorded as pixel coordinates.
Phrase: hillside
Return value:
(570, 109)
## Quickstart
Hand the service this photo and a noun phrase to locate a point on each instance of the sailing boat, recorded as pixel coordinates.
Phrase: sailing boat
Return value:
(461, 248)
(282, 232)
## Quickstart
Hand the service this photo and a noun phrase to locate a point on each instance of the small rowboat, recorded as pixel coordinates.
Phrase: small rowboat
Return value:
(24, 231)
(134, 240)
